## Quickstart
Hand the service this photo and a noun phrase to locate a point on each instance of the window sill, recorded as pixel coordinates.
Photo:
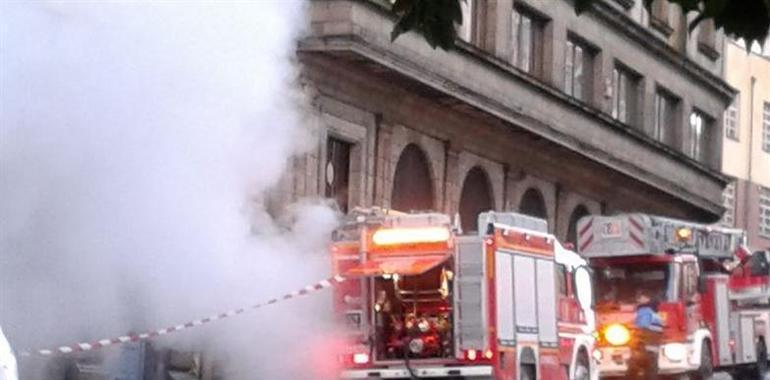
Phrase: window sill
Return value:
(734, 138)
(661, 26)
(626, 4)
(709, 51)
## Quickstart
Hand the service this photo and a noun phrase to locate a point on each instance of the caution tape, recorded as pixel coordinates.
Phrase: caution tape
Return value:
(101, 343)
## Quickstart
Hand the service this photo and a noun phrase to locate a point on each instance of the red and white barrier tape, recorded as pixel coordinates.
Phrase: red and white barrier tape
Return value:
(81, 347)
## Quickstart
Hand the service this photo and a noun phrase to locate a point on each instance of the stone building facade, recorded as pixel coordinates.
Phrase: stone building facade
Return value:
(537, 110)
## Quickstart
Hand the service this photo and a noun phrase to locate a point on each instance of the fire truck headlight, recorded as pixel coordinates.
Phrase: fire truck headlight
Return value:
(423, 325)
(675, 352)
(683, 234)
(361, 358)
(416, 345)
(616, 334)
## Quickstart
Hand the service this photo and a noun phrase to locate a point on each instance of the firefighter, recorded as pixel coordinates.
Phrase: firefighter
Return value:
(649, 330)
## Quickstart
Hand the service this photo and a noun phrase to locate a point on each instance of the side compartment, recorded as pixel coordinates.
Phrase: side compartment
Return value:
(470, 295)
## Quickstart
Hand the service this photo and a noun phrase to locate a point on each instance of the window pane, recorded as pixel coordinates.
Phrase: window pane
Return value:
(578, 78)
(515, 21)
(728, 201)
(658, 122)
(766, 127)
(731, 119)
(525, 43)
(464, 31)
(568, 57)
(615, 91)
(622, 97)
(764, 211)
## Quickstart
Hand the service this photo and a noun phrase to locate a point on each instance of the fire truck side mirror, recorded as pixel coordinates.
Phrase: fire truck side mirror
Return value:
(584, 288)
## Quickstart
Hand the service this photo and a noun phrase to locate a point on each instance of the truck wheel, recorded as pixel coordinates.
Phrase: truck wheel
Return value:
(528, 372)
(706, 369)
(761, 360)
(582, 367)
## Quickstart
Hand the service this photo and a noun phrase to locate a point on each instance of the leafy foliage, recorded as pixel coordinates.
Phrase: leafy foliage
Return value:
(436, 20)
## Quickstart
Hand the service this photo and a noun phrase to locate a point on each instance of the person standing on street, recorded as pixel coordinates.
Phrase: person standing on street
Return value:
(649, 328)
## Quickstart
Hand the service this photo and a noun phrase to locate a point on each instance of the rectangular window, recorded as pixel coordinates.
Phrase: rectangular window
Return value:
(697, 136)
(766, 127)
(728, 201)
(665, 125)
(707, 34)
(526, 37)
(731, 119)
(660, 11)
(578, 70)
(625, 88)
(764, 211)
(337, 172)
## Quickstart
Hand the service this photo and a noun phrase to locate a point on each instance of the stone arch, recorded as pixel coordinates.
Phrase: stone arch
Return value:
(578, 212)
(412, 181)
(476, 197)
(533, 204)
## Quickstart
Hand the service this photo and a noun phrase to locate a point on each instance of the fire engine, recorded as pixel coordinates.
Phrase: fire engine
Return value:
(422, 300)
(712, 293)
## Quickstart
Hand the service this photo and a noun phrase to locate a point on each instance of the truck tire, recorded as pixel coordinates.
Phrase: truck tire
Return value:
(706, 369)
(761, 367)
(528, 372)
(582, 366)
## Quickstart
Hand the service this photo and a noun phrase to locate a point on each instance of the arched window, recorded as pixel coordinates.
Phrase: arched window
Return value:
(532, 204)
(476, 197)
(579, 212)
(412, 184)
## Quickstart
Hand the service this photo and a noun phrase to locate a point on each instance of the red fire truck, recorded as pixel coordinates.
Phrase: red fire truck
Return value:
(712, 293)
(421, 300)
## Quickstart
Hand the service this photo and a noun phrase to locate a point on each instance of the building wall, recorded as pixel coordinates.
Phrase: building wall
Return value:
(471, 108)
(744, 157)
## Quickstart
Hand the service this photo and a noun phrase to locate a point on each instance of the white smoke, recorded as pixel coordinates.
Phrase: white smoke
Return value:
(136, 143)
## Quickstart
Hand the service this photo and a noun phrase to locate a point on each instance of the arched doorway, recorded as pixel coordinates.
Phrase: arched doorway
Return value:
(475, 198)
(579, 212)
(533, 204)
(412, 182)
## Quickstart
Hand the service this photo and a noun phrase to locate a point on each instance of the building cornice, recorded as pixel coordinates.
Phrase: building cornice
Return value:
(647, 39)
(416, 72)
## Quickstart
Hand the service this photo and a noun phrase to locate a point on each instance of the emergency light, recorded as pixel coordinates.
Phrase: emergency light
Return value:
(397, 236)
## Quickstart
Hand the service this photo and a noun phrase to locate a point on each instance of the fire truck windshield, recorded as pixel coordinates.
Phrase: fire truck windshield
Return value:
(620, 283)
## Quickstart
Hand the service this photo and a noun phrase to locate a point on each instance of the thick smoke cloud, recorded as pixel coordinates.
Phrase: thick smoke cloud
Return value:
(136, 143)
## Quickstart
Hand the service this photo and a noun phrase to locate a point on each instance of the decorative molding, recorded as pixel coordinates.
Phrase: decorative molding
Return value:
(648, 40)
(708, 50)
(627, 4)
(661, 26)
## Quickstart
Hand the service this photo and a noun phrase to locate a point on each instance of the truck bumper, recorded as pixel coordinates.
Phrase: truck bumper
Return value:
(614, 363)
(470, 372)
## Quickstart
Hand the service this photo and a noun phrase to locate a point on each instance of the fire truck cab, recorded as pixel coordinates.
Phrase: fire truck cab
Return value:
(421, 300)
(695, 273)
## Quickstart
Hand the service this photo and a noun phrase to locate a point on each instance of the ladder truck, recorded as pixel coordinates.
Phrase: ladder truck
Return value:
(712, 294)
(421, 300)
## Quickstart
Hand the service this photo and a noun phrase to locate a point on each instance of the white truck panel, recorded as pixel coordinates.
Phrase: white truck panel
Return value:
(546, 303)
(525, 294)
(470, 294)
(747, 351)
(504, 290)
(722, 313)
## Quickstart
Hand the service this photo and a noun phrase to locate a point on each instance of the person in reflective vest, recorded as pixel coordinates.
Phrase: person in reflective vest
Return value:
(649, 328)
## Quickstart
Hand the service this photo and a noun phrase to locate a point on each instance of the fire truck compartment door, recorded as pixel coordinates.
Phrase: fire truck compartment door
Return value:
(402, 265)
(525, 296)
